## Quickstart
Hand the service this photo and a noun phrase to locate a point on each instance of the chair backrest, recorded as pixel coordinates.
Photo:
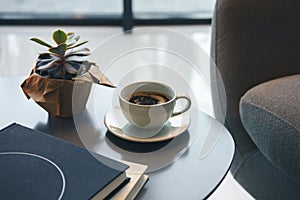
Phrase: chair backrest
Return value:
(252, 42)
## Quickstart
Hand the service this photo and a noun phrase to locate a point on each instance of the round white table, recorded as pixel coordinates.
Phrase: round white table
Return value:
(190, 166)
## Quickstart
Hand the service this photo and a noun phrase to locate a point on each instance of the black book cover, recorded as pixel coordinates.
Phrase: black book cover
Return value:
(34, 165)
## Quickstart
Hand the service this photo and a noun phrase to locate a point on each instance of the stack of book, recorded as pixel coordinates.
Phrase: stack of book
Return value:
(34, 165)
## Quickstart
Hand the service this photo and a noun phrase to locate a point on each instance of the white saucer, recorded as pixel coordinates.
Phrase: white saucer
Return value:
(117, 124)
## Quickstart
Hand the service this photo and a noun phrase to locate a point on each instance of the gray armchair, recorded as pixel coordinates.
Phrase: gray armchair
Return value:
(256, 49)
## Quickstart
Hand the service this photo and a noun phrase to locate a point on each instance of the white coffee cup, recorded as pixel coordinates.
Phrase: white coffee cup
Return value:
(150, 118)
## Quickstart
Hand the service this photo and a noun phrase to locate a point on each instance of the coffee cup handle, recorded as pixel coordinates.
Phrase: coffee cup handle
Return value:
(186, 108)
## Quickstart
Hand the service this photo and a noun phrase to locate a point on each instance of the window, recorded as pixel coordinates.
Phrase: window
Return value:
(104, 12)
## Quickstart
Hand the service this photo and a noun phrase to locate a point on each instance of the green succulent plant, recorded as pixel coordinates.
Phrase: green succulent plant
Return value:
(62, 61)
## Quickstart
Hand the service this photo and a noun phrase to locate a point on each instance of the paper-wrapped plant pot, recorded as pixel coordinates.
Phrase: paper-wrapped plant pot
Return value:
(62, 78)
(56, 95)
(61, 97)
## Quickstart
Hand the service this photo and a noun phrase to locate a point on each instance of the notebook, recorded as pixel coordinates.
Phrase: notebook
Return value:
(137, 180)
(34, 165)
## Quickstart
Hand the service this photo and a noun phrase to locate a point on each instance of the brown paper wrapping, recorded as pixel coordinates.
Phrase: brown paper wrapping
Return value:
(56, 95)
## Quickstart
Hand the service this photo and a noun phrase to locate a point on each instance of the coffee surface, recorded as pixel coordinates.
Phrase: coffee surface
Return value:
(148, 98)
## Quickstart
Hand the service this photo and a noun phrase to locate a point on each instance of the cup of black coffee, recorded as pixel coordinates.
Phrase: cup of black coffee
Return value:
(148, 98)
(148, 105)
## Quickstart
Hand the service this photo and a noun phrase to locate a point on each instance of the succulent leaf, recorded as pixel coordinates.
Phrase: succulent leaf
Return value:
(77, 64)
(72, 69)
(59, 36)
(77, 37)
(43, 63)
(80, 52)
(75, 59)
(45, 56)
(70, 34)
(70, 43)
(71, 40)
(77, 45)
(41, 42)
(60, 50)
(44, 59)
(48, 66)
